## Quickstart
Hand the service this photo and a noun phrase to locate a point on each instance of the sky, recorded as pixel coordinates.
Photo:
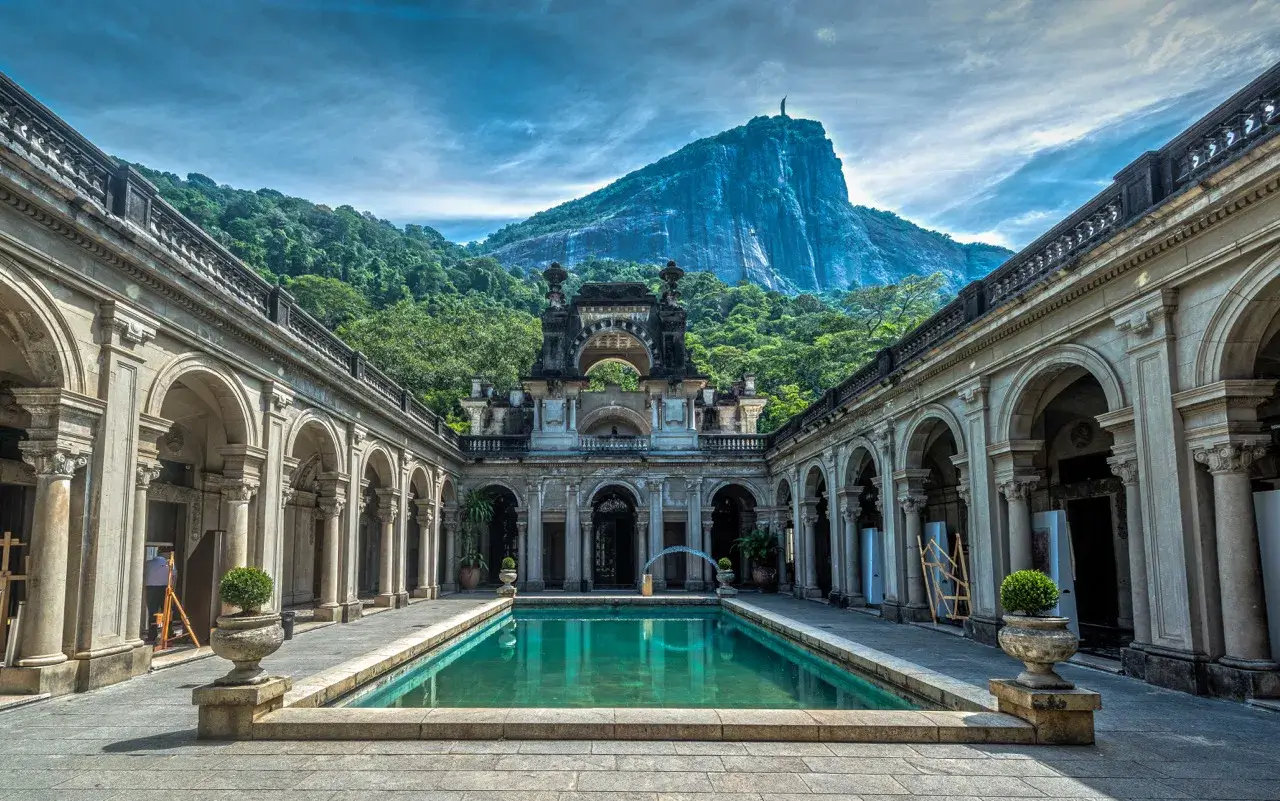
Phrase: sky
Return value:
(987, 119)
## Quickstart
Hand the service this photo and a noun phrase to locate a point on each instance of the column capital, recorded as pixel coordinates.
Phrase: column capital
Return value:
(52, 460)
(146, 472)
(238, 490)
(331, 505)
(912, 502)
(388, 505)
(587, 524)
(1230, 457)
(522, 526)
(1018, 488)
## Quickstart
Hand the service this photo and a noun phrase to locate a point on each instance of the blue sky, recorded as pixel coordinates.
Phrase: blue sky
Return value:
(988, 120)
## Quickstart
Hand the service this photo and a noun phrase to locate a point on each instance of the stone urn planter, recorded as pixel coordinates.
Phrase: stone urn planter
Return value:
(468, 577)
(1039, 643)
(766, 578)
(725, 579)
(246, 639)
(508, 578)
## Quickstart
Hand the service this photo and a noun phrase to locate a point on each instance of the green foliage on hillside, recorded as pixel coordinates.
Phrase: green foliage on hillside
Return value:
(432, 314)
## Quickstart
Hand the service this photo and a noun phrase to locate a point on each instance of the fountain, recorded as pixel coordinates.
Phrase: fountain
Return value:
(647, 580)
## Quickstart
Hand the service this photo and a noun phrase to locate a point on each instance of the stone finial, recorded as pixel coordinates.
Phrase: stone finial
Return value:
(670, 277)
(555, 276)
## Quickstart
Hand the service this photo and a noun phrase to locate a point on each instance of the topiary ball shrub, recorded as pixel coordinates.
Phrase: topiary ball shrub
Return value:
(724, 564)
(247, 588)
(1028, 591)
(508, 563)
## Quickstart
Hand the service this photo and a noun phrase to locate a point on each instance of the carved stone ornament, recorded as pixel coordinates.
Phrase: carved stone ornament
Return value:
(280, 400)
(239, 491)
(55, 464)
(146, 473)
(1017, 489)
(330, 506)
(388, 508)
(1082, 434)
(1230, 457)
(1126, 467)
(913, 502)
(174, 440)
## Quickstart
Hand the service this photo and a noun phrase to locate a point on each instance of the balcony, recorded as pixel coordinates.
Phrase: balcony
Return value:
(732, 444)
(612, 444)
(494, 445)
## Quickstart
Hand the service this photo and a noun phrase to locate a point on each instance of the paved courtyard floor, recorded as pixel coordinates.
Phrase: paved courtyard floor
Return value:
(137, 741)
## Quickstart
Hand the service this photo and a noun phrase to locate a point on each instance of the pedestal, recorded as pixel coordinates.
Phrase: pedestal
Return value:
(1061, 717)
(228, 713)
(1239, 683)
(58, 679)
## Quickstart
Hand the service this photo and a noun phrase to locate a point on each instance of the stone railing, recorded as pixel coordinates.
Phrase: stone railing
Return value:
(612, 444)
(732, 443)
(40, 137)
(1239, 124)
(493, 445)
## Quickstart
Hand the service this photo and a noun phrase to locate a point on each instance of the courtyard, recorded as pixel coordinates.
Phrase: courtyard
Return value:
(136, 740)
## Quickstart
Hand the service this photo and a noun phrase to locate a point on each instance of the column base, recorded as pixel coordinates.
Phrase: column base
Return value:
(535, 585)
(984, 629)
(855, 599)
(811, 592)
(1174, 670)
(695, 585)
(387, 599)
(448, 586)
(422, 592)
(228, 713)
(402, 599)
(1061, 717)
(101, 670)
(1229, 681)
(572, 585)
(659, 584)
(142, 659)
(59, 679)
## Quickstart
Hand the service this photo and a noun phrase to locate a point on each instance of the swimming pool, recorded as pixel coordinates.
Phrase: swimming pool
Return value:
(590, 657)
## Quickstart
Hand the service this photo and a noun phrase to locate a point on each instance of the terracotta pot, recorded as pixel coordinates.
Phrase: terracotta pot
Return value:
(1039, 643)
(765, 578)
(468, 577)
(508, 577)
(245, 640)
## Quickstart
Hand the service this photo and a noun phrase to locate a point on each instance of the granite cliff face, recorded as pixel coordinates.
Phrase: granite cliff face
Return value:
(765, 202)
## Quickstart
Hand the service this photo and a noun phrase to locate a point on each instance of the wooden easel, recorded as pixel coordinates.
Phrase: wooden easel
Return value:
(164, 619)
(7, 579)
(954, 569)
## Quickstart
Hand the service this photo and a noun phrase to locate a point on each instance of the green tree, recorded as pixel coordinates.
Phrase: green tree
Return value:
(327, 299)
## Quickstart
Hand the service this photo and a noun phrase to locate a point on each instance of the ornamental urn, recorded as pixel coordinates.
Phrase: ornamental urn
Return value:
(725, 578)
(1039, 643)
(245, 640)
(508, 577)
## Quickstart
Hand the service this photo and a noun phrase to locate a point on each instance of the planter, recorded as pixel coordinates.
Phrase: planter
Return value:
(468, 577)
(1039, 643)
(246, 640)
(725, 578)
(766, 578)
(508, 577)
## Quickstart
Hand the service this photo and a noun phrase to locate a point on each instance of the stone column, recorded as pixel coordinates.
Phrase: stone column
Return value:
(810, 567)
(853, 560)
(588, 553)
(779, 529)
(837, 545)
(1017, 491)
(426, 551)
(572, 539)
(693, 426)
(40, 634)
(236, 495)
(642, 544)
(387, 514)
(708, 524)
(522, 550)
(147, 471)
(656, 545)
(1244, 607)
(1125, 465)
(331, 507)
(534, 581)
(913, 503)
(449, 574)
(693, 581)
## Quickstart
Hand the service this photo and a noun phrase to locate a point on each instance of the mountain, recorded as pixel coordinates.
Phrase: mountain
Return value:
(765, 202)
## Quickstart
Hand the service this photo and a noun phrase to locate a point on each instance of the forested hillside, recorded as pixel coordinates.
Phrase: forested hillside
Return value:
(432, 315)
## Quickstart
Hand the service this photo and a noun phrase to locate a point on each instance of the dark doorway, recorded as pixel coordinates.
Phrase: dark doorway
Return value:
(553, 553)
(822, 545)
(614, 529)
(200, 594)
(503, 535)
(1093, 551)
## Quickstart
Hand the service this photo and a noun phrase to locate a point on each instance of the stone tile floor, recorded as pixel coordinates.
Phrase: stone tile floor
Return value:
(137, 741)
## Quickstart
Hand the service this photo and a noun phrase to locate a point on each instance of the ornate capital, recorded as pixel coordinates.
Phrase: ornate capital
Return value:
(388, 507)
(1126, 467)
(810, 517)
(912, 502)
(146, 473)
(522, 527)
(331, 506)
(587, 524)
(239, 491)
(1018, 487)
(286, 494)
(57, 463)
(1230, 457)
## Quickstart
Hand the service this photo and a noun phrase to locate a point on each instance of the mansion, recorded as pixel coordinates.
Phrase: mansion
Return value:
(1103, 407)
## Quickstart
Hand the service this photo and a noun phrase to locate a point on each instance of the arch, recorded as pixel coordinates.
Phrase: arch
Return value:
(333, 454)
(615, 326)
(720, 484)
(448, 495)
(1027, 389)
(1237, 329)
(423, 485)
(60, 359)
(811, 483)
(615, 412)
(485, 482)
(228, 392)
(604, 483)
(922, 428)
(860, 451)
(782, 492)
(378, 457)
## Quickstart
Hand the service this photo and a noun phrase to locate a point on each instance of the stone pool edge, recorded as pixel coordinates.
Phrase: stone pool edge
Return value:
(970, 715)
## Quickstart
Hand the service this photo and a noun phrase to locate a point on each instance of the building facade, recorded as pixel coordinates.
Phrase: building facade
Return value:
(1103, 406)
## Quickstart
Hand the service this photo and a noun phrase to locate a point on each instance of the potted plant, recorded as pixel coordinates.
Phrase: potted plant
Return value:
(508, 576)
(1035, 639)
(759, 546)
(250, 635)
(724, 575)
(477, 513)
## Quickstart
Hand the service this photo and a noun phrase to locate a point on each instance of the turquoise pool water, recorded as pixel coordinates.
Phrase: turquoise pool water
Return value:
(678, 657)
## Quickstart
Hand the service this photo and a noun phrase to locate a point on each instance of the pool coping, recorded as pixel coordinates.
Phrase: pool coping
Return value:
(969, 714)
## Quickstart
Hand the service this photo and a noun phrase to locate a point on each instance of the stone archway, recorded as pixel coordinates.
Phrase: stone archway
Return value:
(861, 514)
(313, 505)
(784, 525)
(617, 543)
(376, 540)
(931, 491)
(733, 514)
(815, 517)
